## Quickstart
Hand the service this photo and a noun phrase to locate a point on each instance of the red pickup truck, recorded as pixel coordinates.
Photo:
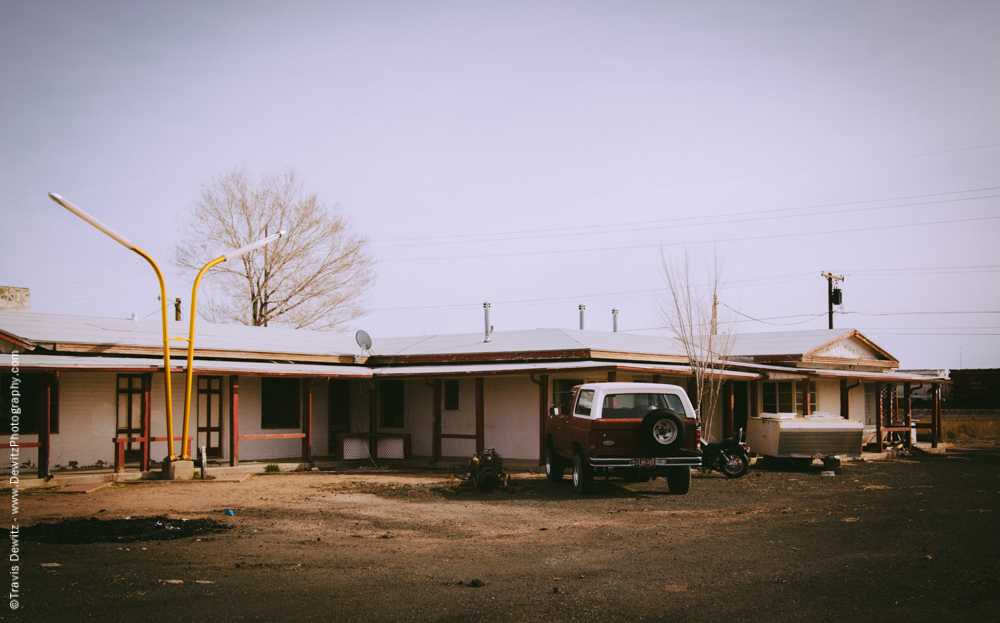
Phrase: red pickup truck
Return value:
(634, 430)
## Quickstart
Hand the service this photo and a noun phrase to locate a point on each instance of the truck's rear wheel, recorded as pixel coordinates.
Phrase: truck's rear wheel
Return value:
(553, 464)
(583, 474)
(679, 480)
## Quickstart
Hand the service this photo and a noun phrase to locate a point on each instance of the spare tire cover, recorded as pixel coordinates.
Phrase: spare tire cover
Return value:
(661, 430)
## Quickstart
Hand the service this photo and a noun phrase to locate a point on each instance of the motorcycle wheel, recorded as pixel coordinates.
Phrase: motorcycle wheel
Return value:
(735, 465)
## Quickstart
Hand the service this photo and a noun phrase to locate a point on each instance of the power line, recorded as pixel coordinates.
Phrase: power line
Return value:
(673, 244)
(697, 181)
(605, 229)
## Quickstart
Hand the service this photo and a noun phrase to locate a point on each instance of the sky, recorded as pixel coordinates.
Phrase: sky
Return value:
(536, 155)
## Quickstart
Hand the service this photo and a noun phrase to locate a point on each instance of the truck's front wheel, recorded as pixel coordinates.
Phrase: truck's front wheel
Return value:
(553, 464)
(583, 474)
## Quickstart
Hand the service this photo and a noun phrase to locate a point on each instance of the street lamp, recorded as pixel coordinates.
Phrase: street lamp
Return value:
(163, 307)
(194, 314)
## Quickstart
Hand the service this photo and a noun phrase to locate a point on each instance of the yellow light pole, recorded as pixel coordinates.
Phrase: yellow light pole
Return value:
(163, 305)
(194, 314)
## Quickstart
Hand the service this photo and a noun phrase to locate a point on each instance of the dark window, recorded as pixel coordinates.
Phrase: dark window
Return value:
(29, 401)
(391, 401)
(279, 402)
(451, 395)
(562, 392)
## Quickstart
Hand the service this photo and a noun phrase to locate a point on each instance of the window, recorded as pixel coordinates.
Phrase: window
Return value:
(279, 402)
(636, 406)
(451, 395)
(391, 400)
(786, 397)
(29, 402)
(779, 397)
(585, 403)
(562, 392)
(871, 403)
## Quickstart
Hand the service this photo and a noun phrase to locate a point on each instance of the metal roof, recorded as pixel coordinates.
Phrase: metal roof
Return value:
(533, 340)
(902, 377)
(553, 366)
(87, 330)
(805, 343)
(29, 361)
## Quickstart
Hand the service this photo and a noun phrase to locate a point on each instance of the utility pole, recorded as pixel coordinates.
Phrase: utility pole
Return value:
(715, 314)
(833, 295)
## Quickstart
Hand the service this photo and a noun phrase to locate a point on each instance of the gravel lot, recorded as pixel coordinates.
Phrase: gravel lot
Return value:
(910, 540)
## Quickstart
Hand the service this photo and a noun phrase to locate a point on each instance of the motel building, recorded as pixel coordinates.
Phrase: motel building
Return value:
(315, 398)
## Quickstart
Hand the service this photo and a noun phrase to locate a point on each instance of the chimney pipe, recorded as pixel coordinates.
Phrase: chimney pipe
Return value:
(614, 319)
(582, 308)
(486, 309)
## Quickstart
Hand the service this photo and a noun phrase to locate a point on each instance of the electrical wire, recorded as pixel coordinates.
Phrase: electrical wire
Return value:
(681, 183)
(606, 229)
(826, 232)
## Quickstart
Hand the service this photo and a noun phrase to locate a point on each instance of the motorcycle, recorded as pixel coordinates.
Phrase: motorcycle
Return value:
(731, 456)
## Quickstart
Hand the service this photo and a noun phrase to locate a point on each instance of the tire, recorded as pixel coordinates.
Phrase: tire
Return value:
(736, 466)
(661, 430)
(679, 480)
(583, 474)
(487, 480)
(554, 466)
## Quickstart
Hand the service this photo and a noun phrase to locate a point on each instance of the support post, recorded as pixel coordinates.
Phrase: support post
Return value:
(543, 411)
(436, 450)
(727, 410)
(806, 397)
(307, 424)
(234, 420)
(908, 413)
(879, 414)
(372, 420)
(936, 417)
(147, 430)
(45, 426)
(480, 417)
(754, 401)
(612, 376)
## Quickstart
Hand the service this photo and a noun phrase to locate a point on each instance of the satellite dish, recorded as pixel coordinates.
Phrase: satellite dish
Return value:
(364, 340)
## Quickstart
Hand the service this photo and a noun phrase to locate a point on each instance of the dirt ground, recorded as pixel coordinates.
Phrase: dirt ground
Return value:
(913, 539)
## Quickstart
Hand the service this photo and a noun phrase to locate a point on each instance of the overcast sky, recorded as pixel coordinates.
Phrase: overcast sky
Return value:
(537, 155)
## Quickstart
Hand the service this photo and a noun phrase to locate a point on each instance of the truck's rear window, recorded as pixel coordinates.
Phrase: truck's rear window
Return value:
(636, 406)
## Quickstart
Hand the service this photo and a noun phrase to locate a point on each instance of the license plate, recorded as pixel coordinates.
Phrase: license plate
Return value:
(645, 462)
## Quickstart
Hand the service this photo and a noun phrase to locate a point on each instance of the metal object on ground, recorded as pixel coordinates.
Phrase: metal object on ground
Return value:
(485, 471)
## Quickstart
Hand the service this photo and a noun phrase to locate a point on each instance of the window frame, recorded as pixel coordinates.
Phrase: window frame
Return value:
(281, 418)
(451, 395)
(30, 403)
(392, 403)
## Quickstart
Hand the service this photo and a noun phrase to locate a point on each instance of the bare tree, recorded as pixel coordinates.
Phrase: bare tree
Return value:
(314, 278)
(689, 311)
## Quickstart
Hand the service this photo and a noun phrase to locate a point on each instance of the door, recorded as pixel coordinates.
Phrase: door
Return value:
(209, 432)
(131, 412)
(741, 406)
(338, 410)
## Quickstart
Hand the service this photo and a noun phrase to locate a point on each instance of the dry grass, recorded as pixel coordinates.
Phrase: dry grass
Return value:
(970, 429)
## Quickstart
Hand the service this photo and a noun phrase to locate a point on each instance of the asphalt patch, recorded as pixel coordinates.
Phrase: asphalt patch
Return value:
(93, 530)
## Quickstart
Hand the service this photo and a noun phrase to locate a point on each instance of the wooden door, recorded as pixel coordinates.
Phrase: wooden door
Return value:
(338, 400)
(131, 412)
(209, 430)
